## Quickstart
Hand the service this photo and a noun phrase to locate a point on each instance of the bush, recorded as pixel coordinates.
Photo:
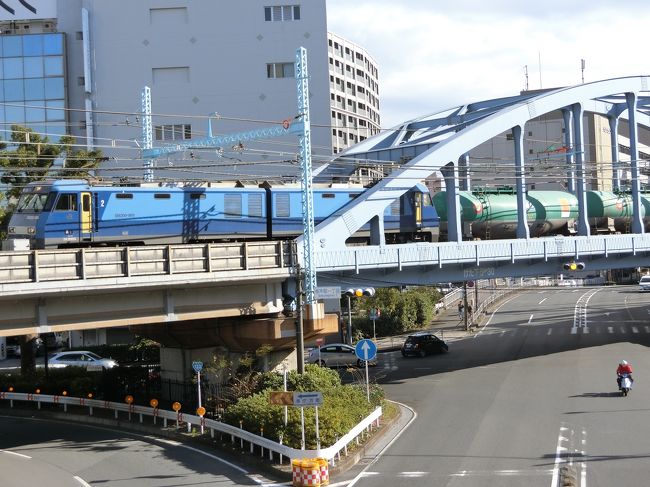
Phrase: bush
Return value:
(400, 311)
(343, 407)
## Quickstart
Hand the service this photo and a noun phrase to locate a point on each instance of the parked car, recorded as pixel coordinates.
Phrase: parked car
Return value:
(422, 344)
(644, 283)
(336, 355)
(14, 350)
(89, 360)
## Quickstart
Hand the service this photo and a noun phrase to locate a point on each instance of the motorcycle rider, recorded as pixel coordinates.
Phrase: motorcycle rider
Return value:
(623, 368)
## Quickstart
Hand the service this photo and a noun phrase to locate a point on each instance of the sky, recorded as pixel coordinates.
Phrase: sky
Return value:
(437, 54)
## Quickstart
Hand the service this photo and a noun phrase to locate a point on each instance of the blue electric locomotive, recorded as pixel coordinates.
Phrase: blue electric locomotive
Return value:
(79, 213)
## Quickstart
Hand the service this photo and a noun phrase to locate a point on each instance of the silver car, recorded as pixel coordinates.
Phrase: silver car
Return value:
(335, 355)
(644, 283)
(88, 360)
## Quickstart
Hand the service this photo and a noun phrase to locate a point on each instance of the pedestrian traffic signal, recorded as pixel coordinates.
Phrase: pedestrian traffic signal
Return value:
(573, 266)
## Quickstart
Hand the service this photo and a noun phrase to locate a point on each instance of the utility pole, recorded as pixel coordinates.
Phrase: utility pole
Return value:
(465, 313)
(300, 341)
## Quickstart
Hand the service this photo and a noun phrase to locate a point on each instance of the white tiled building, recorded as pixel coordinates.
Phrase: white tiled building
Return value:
(235, 58)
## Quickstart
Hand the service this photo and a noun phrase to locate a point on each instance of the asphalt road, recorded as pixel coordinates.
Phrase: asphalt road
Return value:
(528, 399)
(47, 453)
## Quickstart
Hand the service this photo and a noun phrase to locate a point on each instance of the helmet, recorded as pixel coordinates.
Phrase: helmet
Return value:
(623, 362)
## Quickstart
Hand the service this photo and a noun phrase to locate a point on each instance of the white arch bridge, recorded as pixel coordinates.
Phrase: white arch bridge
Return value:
(441, 142)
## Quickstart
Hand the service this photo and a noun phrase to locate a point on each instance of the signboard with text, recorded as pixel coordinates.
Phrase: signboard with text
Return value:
(307, 398)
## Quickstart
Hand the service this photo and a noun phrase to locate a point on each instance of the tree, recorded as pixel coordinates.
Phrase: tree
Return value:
(29, 157)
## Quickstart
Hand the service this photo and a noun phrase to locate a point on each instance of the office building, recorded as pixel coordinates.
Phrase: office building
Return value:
(79, 66)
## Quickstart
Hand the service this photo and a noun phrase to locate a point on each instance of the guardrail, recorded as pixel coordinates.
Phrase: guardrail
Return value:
(275, 451)
(96, 263)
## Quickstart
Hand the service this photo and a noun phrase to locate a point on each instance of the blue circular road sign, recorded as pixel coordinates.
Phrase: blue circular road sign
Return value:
(366, 349)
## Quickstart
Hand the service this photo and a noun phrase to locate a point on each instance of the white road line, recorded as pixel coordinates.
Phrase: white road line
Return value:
(492, 316)
(82, 481)
(647, 329)
(15, 454)
(635, 329)
(390, 443)
(550, 330)
(530, 319)
(610, 329)
(542, 301)
(555, 478)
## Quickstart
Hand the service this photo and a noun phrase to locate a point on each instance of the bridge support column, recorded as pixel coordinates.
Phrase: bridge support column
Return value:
(520, 178)
(464, 182)
(570, 153)
(377, 236)
(581, 185)
(637, 221)
(450, 173)
(616, 168)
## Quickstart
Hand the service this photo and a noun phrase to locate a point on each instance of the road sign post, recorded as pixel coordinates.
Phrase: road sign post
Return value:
(366, 350)
(198, 367)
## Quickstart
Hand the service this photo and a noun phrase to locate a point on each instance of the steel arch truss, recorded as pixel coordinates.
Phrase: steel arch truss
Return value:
(437, 142)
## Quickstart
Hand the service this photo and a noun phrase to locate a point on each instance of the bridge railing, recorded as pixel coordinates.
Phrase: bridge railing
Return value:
(267, 447)
(479, 253)
(96, 263)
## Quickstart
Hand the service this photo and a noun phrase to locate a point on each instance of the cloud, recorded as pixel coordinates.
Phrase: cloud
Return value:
(432, 57)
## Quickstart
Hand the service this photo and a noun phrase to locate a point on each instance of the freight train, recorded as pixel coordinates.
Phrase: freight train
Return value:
(78, 213)
(492, 213)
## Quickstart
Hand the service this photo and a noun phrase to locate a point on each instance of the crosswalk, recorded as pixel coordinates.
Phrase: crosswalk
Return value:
(603, 327)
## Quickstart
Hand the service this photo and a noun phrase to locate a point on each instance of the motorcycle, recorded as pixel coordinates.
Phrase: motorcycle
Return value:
(625, 384)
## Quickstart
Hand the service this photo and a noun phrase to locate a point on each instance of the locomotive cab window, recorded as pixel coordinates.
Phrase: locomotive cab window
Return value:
(328, 195)
(162, 196)
(66, 202)
(197, 196)
(124, 196)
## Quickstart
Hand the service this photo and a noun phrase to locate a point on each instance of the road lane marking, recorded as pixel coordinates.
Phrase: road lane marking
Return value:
(492, 316)
(550, 330)
(530, 319)
(386, 447)
(580, 312)
(412, 474)
(82, 481)
(16, 454)
(542, 301)
(635, 329)
(610, 329)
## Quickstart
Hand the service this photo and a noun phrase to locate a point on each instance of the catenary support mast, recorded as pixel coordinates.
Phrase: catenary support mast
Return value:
(302, 79)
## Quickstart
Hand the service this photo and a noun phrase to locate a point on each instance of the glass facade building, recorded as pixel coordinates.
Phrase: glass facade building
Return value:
(32, 92)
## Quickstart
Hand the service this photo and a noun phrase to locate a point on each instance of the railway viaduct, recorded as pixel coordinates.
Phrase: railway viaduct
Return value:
(194, 298)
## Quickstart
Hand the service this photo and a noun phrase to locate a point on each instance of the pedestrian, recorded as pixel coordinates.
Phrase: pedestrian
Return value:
(469, 310)
(460, 310)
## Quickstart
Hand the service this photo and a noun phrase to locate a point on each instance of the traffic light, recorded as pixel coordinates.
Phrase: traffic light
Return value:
(369, 291)
(573, 266)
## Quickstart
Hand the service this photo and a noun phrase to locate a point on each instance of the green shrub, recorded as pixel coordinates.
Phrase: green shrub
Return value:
(343, 407)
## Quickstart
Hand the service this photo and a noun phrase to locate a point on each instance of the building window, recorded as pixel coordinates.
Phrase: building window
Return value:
(282, 13)
(173, 132)
(280, 70)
